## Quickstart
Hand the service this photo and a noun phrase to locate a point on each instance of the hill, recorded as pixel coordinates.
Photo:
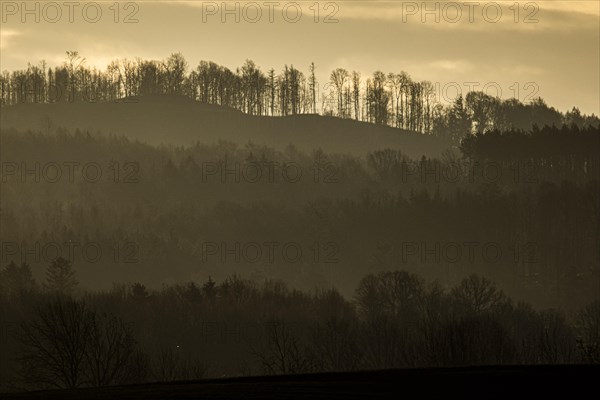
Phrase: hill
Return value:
(178, 120)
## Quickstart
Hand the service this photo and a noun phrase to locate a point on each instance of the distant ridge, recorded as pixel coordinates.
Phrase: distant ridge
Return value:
(162, 119)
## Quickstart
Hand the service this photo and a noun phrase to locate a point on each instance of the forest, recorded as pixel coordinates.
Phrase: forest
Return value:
(63, 337)
(127, 261)
(392, 99)
(120, 209)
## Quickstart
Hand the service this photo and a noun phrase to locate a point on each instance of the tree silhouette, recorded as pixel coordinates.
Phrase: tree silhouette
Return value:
(386, 98)
(16, 280)
(69, 345)
(55, 344)
(588, 330)
(139, 291)
(60, 276)
(477, 294)
(109, 352)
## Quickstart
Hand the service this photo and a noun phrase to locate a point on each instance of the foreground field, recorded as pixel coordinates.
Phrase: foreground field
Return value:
(486, 382)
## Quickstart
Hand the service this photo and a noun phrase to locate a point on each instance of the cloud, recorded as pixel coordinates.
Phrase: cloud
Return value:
(478, 16)
(451, 65)
(6, 36)
(560, 53)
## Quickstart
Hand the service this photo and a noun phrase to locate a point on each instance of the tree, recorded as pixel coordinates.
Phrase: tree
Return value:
(387, 162)
(588, 332)
(171, 364)
(55, 344)
(139, 291)
(60, 276)
(377, 99)
(405, 83)
(272, 87)
(46, 124)
(282, 353)
(253, 84)
(429, 97)
(334, 344)
(295, 81)
(74, 63)
(209, 290)
(338, 79)
(68, 345)
(312, 88)
(395, 82)
(468, 341)
(356, 94)
(393, 293)
(390, 304)
(477, 294)
(482, 109)
(175, 67)
(16, 280)
(459, 123)
(109, 352)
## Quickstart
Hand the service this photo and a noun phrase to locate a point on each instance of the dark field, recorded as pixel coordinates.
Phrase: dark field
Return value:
(580, 381)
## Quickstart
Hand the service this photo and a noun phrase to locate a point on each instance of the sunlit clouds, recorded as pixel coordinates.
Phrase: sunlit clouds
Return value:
(552, 43)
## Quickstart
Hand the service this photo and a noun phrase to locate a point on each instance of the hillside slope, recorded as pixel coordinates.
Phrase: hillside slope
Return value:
(181, 121)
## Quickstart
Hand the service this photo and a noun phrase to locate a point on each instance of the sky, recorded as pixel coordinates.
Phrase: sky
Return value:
(508, 48)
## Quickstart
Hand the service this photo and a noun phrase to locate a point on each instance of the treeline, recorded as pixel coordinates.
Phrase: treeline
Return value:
(393, 99)
(61, 336)
(547, 144)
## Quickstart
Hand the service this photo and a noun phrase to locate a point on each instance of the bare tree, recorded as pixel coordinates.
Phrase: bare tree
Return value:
(74, 63)
(55, 344)
(312, 87)
(282, 352)
(378, 99)
(588, 332)
(356, 94)
(176, 67)
(429, 97)
(335, 345)
(338, 79)
(109, 352)
(68, 345)
(171, 364)
(477, 294)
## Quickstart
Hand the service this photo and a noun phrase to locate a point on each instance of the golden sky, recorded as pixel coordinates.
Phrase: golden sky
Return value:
(541, 48)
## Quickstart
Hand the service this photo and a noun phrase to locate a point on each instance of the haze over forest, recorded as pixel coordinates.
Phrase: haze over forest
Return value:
(184, 214)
